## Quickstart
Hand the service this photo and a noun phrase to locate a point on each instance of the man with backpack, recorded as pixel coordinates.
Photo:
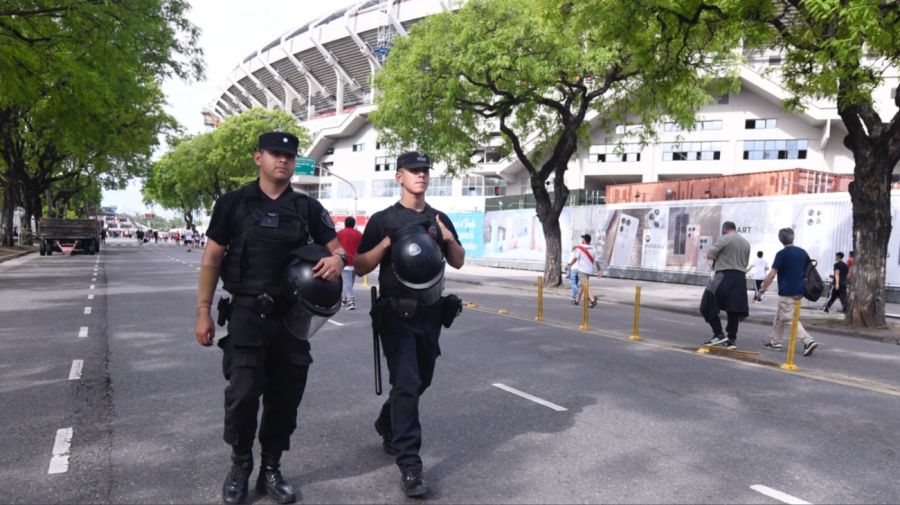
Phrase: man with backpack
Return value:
(790, 265)
(584, 256)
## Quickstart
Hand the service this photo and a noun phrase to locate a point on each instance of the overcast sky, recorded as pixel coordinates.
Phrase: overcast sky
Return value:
(231, 30)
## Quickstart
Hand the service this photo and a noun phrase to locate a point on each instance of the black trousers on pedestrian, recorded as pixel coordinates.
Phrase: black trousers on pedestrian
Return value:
(262, 359)
(411, 348)
(731, 327)
(838, 293)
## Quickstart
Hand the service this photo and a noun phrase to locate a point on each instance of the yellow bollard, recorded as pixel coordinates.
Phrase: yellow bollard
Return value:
(584, 320)
(540, 306)
(637, 314)
(366, 280)
(789, 364)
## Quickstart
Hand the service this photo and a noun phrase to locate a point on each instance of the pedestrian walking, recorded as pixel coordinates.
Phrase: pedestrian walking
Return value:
(349, 237)
(790, 268)
(758, 271)
(188, 239)
(572, 274)
(839, 283)
(583, 257)
(409, 242)
(727, 290)
(256, 235)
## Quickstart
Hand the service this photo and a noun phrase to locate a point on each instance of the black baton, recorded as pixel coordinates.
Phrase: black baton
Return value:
(376, 345)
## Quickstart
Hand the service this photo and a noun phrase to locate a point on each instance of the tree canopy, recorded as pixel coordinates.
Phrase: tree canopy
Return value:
(80, 103)
(541, 73)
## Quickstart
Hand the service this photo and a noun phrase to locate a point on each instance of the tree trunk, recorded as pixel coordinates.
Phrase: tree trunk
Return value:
(870, 193)
(9, 206)
(548, 213)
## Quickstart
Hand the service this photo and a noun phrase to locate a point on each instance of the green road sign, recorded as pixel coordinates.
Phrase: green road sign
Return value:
(305, 166)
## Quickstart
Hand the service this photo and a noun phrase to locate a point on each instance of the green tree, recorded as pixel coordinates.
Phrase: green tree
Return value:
(79, 91)
(536, 73)
(842, 50)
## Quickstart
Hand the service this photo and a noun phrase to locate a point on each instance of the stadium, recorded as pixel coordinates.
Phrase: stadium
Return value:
(322, 73)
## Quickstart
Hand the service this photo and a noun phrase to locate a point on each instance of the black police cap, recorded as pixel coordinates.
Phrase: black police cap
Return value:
(413, 160)
(279, 142)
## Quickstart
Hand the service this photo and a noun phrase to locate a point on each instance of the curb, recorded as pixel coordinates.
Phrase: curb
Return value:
(813, 323)
(16, 255)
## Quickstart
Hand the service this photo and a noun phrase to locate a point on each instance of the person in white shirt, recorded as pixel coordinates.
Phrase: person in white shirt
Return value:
(584, 256)
(758, 271)
(188, 239)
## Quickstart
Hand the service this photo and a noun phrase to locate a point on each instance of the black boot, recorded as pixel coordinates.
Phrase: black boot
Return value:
(270, 481)
(234, 491)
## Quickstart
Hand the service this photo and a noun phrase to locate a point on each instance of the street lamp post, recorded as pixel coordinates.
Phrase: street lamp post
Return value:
(352, 187)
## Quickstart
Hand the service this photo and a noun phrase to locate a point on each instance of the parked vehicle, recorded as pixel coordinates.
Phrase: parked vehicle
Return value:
(68, 235)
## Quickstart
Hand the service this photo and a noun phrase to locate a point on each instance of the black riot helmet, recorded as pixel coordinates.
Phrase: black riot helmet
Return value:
(417, 261)
(315, 299)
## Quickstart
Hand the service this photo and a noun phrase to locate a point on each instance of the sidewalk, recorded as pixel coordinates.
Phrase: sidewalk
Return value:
(678, 298)
(8, 253)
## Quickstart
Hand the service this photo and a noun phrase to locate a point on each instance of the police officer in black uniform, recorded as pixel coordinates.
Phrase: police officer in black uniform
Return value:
(409, 311)
(251, 233)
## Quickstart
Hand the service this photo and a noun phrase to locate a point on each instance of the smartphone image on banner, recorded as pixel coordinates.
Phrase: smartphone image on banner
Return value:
(624, 244)
(692, 244)
(653, 249)
(679, 244)
(704, 244)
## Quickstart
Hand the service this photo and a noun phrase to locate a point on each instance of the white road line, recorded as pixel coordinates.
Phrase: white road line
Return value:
(778, 495)
(527, 396)
(671, 320)
(90, 297)
(75, 372)
(82, 332)
(59, 463)
(93, 279)
(335, 323)
(92, 286)
(87, 310)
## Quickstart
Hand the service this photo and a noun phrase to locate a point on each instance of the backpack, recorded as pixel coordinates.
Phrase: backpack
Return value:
(813, 287)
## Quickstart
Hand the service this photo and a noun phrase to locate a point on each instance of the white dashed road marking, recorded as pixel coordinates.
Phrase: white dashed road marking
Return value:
(527, 396)
(778, 495)
(92, 286)
(335, 323)
(75, 372)
(87, 310)
(82, 332)
(59, 463)
(90, 297)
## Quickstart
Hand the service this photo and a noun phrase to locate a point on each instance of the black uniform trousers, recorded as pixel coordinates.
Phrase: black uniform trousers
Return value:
(411, 348)
(262, 359)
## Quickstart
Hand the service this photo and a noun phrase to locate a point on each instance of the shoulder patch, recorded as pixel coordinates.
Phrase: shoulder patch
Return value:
(326, 219)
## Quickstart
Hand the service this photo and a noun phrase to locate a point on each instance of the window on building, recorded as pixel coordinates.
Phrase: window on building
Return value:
(358, 147)
(722, 100)
(343, 190)
(440, 186)
(692, 151)
(775, 149)
(322, 191)
(494, 186)
(386, 188)
(472, 185)
(380, 144)
(774, 60)
(330, 150)
(611, 153)
(759, 124)
(385, 163)
(713, 124)
(624, 129)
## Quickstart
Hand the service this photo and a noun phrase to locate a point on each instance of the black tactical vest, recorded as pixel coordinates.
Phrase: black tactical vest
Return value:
(258, 253)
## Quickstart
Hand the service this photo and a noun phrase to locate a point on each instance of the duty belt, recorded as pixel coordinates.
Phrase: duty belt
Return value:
(264, 304)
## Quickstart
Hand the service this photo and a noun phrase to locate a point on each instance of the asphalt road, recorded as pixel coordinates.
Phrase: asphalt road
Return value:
(609, 420)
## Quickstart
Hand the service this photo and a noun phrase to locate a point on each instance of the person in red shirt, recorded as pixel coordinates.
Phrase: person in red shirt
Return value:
(349, 238)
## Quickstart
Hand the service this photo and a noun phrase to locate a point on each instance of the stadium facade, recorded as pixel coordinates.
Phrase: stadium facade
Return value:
(322, 72)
